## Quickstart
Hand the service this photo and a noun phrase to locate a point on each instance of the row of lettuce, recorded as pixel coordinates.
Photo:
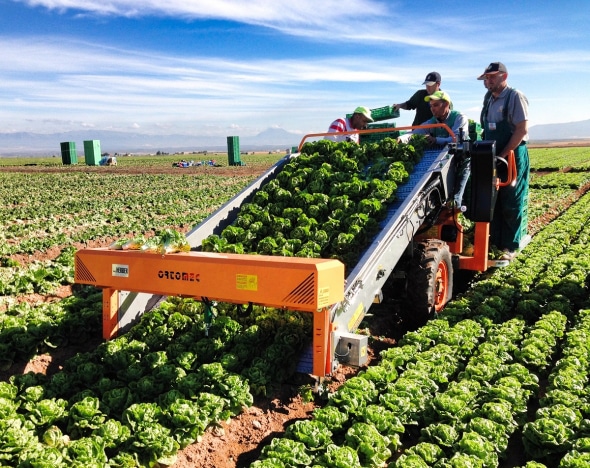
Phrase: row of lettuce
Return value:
(92, 205)
(79, 207)
(501, 376)
(45, 222)
(137, 400)
(557, 159)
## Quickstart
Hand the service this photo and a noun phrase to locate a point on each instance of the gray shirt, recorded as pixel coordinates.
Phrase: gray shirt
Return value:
(518, 108)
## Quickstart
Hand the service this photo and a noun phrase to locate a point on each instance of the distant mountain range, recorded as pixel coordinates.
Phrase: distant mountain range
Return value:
(26, 144)
(579, 130)
(32, 144)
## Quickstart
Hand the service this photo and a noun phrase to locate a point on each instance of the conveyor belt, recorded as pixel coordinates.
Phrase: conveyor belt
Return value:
(394, 211)
(376, 263)
(404, 190)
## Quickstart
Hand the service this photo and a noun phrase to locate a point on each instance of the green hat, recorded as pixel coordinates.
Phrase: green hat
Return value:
(365, 111)
(437, 96)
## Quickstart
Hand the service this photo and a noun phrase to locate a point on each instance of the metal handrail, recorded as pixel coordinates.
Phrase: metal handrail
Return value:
(378, 130)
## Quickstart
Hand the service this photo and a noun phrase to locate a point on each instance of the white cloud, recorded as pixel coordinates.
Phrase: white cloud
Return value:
(252, 11)
(383, 21)
(122, 86)
(118, 87)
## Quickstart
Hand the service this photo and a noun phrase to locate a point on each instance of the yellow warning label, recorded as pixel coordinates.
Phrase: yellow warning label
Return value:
(356, 318)
(247, 282)
(323, 297)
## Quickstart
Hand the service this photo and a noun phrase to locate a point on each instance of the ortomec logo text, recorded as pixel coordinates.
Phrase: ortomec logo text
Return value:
(178, 275)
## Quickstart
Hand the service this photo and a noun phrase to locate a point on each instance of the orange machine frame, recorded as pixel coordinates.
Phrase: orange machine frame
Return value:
(378, 130)
(479, 260)
(302, 284)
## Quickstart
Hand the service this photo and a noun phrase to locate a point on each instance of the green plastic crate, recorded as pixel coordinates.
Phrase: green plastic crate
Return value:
(68, 152)
(382, 113)
(378, 136)
(233, 151)
(92, 152)
(475, 130)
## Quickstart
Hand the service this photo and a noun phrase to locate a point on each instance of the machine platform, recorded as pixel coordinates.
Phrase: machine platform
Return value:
(293, 283)
(302, 284)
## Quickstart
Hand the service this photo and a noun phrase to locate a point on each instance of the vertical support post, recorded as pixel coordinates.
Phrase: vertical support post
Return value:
(321, 334)
(481, 244)
(110, 313)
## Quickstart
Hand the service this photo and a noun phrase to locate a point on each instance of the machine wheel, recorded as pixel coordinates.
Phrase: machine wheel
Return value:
(429, 280)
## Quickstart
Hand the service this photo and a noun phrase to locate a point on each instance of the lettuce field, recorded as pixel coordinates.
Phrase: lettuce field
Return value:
(499, 379)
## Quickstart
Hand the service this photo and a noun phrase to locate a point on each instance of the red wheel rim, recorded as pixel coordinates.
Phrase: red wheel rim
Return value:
(441, 286)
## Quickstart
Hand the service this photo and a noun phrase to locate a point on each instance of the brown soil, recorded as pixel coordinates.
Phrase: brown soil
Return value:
(239, 442)
(559, 144)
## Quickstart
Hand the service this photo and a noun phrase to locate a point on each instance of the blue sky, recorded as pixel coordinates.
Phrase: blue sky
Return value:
(238, 67)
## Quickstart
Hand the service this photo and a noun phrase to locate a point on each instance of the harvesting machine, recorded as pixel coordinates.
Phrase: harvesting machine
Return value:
(420, 240)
